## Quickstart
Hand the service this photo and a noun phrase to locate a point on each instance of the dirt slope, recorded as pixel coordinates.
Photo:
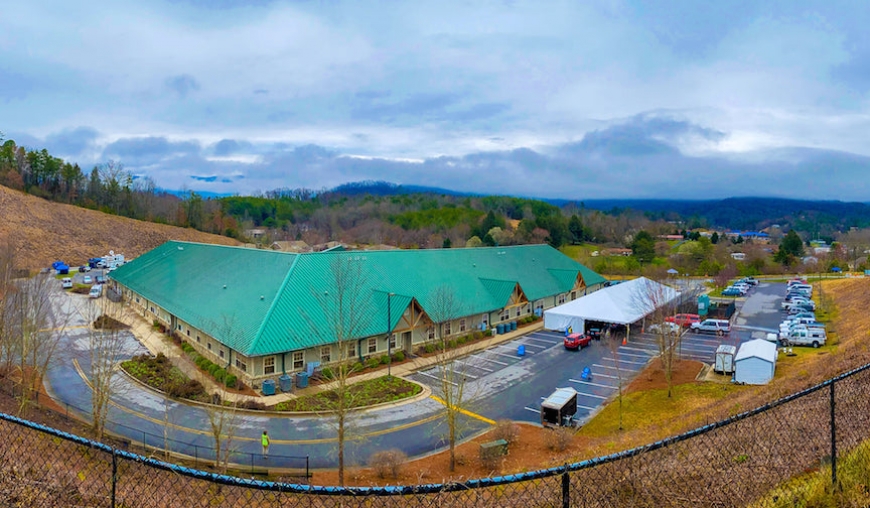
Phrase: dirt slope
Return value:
(44, 232)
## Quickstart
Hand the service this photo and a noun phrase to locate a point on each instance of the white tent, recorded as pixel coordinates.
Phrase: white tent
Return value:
(755, 363)
(623, 304)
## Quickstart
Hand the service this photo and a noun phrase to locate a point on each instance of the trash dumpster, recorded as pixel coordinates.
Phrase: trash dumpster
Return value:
(269, 387)
(285, 383)
(500, 328)
(301, 380)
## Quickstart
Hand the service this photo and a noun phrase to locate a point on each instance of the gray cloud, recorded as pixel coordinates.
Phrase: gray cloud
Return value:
(148, 150)
(204, 178)
(226, 147)
(182, 85)
(71, 142)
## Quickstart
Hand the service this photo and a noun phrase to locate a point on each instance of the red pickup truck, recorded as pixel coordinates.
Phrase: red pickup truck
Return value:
(577, 341)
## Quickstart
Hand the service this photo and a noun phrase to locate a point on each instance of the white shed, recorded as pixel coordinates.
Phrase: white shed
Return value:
(755, 362)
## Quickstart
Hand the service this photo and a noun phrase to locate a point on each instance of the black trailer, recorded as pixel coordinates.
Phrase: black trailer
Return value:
(559, 408)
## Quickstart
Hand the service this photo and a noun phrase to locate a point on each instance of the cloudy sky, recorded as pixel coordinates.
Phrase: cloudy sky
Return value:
(609, 99)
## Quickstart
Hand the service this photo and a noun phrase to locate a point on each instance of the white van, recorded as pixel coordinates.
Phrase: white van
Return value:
(96, 291)
(66, 283)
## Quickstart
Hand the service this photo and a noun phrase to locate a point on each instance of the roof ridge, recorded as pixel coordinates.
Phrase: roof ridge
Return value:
(273, 304)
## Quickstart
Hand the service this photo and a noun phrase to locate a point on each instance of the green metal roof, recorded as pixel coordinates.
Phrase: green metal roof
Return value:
(261, 302)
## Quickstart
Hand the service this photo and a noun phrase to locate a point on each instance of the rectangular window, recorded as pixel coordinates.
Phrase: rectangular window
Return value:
(325, 354)
(461, 325)
(241, 364)
(197, 339)
(373, 346)
(209, 346)
(561, 299)
(269, 365)
(447, 329)
(221, 353)
(351, 350)
(298, 360)
(137, 299)
(430, 332)
(519, 310)
(179, 326)
(188, 332)
(505, 315)
(393, 341)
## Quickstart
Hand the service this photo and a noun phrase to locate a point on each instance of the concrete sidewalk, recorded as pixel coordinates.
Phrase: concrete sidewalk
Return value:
(157, 342)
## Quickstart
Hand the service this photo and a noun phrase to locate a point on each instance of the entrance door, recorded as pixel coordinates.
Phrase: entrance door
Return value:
(406, 341)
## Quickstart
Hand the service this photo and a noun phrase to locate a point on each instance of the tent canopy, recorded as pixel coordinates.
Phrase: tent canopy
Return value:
(622, 304)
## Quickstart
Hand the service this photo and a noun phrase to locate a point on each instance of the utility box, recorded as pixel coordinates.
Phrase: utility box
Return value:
(559, 408)
(703, 305)
(269, 387)
(725, 359)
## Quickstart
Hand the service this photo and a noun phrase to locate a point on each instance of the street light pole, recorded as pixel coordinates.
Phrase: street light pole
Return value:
(389, 337)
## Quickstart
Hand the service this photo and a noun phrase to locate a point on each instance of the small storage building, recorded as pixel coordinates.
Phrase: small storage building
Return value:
(725, 359)
(755, 362)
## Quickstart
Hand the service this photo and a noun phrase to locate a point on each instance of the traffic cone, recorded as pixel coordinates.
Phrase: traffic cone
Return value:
(624, 341)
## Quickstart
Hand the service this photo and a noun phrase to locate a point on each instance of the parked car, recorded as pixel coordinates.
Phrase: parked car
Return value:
(96, 291)
(811, 315)
(668, 328)
(752, 281)
(684, 320)
(101, 279)
(742, 286)
(802, 307)
(87, 279)
(66, 283)
(577, 341)
(802, 336)
(717, 326)
(84, 269)
(732, 291)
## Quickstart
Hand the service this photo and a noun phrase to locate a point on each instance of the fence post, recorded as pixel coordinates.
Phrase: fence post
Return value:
(307, 472)
(833, 439)
(114, 475)
(566, 489)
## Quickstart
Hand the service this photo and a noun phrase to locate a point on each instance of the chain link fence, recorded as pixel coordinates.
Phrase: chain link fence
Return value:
(774, 456)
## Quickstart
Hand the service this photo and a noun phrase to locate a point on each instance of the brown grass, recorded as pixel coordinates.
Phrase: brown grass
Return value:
(43, 232)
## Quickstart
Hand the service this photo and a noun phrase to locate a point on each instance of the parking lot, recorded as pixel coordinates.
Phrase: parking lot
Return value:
(502, 384)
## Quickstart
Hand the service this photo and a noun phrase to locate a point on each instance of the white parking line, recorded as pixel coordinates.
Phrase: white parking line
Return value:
(629, 348)
(437, 378)
(614, 368)
(590, 383)
(473, 366)
(489, 359)
(583, 394)
(632, 355)
(502, 354)
(623, 361)
(533, 410)
(548, 342)
(604, 375)
(586, 407)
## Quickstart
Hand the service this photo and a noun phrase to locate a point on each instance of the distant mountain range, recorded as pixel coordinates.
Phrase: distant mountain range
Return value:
(744, 213)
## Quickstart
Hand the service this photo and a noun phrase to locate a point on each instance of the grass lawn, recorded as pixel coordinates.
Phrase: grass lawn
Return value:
(653, 410)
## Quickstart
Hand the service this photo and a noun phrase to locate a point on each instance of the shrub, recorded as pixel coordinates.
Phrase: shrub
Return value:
(358, 366)
(252, 404)
(373, 363)
(399, 356)
(282, 406)
(559, 439)
(155, 324)
(429, 348)
(326, 372)
(387, 462)
(187, 348)
(385, 360)
(220, 375)
(507, 430)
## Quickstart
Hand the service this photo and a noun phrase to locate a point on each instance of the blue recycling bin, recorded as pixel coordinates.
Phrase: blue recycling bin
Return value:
(521, 350)
(500, 328)
(301, 380)
(269, 387)
(513, 325)
(285, 383)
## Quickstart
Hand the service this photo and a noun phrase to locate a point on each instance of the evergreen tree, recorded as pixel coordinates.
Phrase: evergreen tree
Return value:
(643, 248)
(714, 238)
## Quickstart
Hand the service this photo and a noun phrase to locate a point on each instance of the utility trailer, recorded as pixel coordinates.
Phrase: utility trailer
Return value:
(559, 408)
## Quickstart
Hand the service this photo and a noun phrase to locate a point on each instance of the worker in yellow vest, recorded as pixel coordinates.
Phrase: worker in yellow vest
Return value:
(265, 441)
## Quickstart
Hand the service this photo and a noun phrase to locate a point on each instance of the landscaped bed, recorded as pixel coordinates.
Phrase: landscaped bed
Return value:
(364, 393)
(158, 372)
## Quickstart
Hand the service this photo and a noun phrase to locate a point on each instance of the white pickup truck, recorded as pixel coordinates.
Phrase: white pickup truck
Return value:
(802, 336)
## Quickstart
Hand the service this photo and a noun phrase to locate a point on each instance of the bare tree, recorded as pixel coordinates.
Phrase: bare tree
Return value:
(107, 345)
(346, 309)
(658, 301)
(613, 342)
(33, 323)
(223, 423)
(443, 308)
